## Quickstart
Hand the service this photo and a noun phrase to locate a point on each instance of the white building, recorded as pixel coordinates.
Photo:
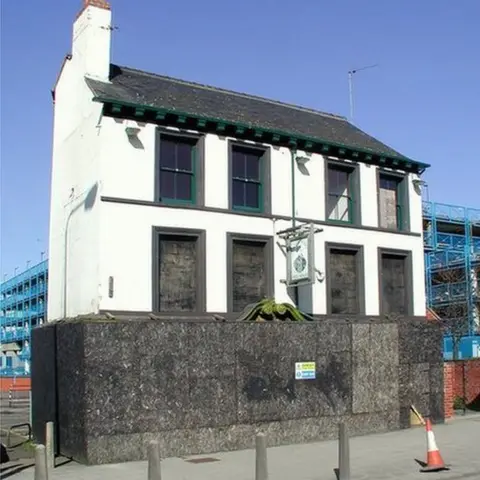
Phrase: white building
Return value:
(167, 197)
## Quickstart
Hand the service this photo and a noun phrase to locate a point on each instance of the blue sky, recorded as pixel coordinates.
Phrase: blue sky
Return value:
(423, 99)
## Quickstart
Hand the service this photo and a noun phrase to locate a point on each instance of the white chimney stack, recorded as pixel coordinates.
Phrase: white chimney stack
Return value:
(92, 33)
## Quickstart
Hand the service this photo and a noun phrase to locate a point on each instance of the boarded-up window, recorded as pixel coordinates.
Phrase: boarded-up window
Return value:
(394, 284)
(177, 269)
(343, 281)
(392, 202)
(249, 273)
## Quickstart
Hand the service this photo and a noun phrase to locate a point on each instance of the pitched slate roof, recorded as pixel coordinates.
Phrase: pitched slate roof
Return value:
(157, 91)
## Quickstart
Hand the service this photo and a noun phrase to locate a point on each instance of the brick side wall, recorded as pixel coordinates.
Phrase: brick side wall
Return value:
(448, 385)
(462, 379)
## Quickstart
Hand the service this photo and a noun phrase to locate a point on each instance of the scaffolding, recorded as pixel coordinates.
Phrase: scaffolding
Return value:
(451, 236)
(23, 302)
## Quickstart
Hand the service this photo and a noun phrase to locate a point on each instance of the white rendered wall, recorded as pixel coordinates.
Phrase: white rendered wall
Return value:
(74, 224)
(126, 234)
(90, 243)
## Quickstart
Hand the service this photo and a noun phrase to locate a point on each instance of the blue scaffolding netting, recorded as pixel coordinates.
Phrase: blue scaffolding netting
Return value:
(23, 302)
(451, 236)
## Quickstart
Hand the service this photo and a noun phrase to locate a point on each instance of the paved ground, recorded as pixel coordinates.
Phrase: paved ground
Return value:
(16, 412)
(20, 452)
(389, 456)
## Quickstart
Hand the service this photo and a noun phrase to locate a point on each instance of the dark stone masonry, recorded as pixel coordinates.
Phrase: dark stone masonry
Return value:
(206, 386)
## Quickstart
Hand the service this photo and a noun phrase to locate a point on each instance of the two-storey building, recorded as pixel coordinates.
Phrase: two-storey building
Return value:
(168, 196)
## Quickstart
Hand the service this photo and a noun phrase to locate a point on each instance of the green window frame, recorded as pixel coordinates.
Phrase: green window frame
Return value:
(177, 168)
(247, 178)
(333, 195)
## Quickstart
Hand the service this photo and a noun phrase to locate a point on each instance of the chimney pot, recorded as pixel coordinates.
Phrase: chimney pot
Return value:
(94, 3)
(97, 3)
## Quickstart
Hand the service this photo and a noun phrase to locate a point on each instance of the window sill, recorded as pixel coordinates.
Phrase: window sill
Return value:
(247, 210)
(343, 223)
(171, 201)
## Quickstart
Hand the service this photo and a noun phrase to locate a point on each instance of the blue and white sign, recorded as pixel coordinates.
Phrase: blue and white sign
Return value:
(305, 371)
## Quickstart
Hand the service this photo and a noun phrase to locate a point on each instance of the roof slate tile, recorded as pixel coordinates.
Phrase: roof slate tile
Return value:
(139, 87)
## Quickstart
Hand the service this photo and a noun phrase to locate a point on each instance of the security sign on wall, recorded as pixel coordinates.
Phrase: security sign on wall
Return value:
(305, 371)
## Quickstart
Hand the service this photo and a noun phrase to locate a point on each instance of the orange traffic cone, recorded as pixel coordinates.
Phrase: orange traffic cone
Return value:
(435, 461)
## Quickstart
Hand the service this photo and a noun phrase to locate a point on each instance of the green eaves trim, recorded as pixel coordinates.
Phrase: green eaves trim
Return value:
(395, 159)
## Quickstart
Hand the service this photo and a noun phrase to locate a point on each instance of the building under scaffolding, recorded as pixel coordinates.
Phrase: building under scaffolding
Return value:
(452, 263)
(23, 304)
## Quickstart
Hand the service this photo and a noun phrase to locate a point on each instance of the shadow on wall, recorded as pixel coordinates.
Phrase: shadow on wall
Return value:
(132, 131)
(91, 197)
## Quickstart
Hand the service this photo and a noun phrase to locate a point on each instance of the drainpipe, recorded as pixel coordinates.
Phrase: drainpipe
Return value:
(293, 153)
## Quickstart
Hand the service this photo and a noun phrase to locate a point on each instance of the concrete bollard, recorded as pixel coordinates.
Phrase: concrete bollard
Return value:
(261, 467)
(50, 445)
(343, 453)
(154, 461)
(41, 471)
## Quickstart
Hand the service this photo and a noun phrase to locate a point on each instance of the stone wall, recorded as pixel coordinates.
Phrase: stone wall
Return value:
(203, 386)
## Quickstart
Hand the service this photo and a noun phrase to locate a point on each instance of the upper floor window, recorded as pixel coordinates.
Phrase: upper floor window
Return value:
(179, 168)
(392, 202)
(342, 189)
(249, 178)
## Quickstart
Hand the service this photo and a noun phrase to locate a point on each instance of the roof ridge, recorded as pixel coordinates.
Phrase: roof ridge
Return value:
(233, 92)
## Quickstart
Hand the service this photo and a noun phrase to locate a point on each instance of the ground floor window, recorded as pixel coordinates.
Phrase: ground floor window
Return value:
(396, 290)
(344, 279)
(250, 270)
(178, 273)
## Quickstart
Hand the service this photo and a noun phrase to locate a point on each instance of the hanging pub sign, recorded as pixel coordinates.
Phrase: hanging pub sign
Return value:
(300, 257)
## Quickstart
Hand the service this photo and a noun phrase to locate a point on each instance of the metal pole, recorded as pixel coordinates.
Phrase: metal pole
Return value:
(49, 445)
(350, 87)
(154, 461)
(293, 154)
(30, 401)
(350, 91)
(261, 467)
(41, 471)
(343, 453)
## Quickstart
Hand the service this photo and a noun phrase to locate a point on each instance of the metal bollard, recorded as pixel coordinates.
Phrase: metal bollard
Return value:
(261, 467)
(50, 445)
(343, 453)
(41, 471)
(154, 461)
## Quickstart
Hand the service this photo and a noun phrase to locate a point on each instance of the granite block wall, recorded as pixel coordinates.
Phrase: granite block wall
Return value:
(202, 387)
